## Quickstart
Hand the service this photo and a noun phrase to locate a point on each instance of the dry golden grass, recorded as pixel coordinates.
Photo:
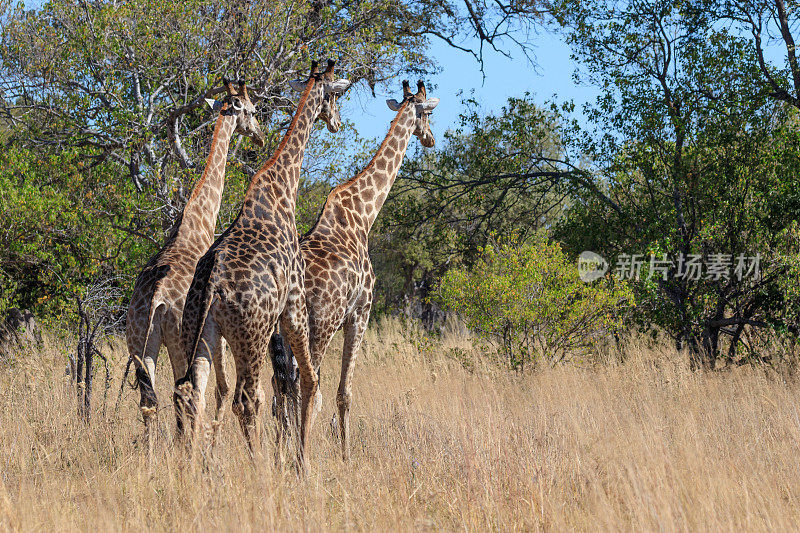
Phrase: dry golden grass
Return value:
(441, 442)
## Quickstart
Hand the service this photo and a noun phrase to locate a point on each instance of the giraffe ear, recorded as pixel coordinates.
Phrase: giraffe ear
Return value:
(393, 104)
(298, 85)
(215, 105)
(429, 104)
(338, 86)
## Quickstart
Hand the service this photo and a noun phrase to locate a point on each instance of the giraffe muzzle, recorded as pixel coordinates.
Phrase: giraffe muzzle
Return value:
(334, 126)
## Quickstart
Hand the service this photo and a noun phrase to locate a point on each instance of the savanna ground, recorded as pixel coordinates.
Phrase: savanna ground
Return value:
(441, 441)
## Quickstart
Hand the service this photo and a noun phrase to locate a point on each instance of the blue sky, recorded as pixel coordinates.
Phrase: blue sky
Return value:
(461, 74)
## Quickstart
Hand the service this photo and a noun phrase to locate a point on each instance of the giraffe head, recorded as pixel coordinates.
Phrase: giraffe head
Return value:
(423, 107)
(238, 104)
(332, 89)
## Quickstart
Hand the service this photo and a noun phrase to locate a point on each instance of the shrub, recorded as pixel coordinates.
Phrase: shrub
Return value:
(530, 300)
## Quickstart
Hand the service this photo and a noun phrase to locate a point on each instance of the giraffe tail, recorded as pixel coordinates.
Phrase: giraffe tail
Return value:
(191, 333)
(285, 384)
(284, 366)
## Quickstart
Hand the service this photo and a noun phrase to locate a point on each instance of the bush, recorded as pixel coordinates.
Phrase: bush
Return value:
(530, 300)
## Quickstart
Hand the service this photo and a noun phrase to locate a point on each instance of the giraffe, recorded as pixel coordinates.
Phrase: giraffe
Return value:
(160, 289)
(339, 278)
(252, 276)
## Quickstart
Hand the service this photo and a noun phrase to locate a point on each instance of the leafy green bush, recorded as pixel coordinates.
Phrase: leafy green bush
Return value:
(530, 300)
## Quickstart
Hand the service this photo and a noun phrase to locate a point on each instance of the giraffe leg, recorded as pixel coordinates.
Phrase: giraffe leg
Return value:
(210, 342)
(248, 397)
(295, 323)
(222, 391)
(177, 356)
(354, 327)
(145, 359)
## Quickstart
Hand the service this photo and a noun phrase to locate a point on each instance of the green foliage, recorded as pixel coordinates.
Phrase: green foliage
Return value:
(105, 129)
(60, 229)
(124, 82)
(492, 175)
(531, 301)
(689, 156)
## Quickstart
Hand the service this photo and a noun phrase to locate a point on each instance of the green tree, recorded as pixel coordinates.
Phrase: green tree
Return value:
(110, 96)
(768, 26)
(105, 128)
(61, 229)
(691, 158)
(125, 82)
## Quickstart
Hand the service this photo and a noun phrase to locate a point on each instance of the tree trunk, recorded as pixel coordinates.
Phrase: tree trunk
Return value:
(79, 375)
(710, 347)
(87, 380)
(701, 347)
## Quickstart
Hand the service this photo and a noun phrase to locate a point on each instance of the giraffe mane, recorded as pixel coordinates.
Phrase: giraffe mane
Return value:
(300, 106)
(214, 142)
(374, 159)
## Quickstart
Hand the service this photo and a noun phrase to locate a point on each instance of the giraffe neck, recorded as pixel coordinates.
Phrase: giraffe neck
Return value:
(367, 191)
(281, 174)
(200, 213)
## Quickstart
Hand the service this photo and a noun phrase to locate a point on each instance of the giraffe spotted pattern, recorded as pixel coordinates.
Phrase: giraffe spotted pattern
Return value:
(252, 277)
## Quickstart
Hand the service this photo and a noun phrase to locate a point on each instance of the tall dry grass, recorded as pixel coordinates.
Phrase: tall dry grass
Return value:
(441, 441)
